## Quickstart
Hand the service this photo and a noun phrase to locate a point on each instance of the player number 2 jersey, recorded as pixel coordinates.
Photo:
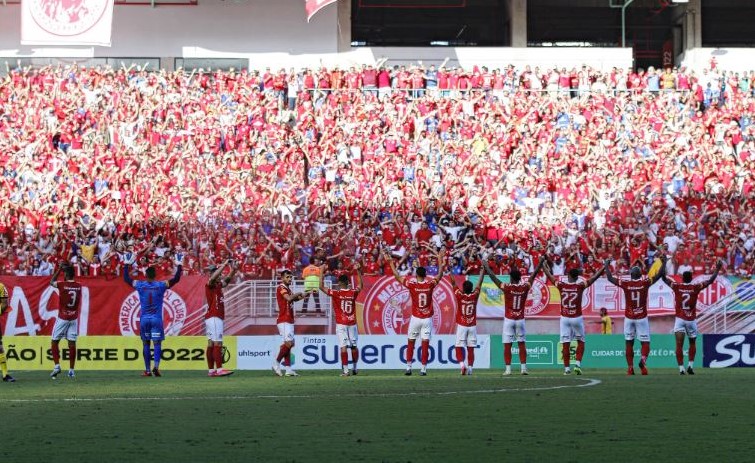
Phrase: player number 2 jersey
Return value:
(466, 307)
(344, 305)
(685, 299)
(421, 293)
(70, 300)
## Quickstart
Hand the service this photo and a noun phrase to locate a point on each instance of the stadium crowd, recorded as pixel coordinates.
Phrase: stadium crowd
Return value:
(285, 169)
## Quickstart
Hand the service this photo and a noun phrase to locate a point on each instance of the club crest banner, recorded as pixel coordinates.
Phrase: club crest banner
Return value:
(66, 22)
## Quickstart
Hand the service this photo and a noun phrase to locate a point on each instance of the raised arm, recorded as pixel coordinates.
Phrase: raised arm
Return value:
(595, 277)
(490, 273)
(532, 277)
(665, 277)
(360, 282)
(607, 269)
(216, 275)
(549, 275)
(54, 278)
(479, 280)
(713, 277)
(398, 277)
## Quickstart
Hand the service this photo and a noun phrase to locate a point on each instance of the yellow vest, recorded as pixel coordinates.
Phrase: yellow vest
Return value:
(311, 275)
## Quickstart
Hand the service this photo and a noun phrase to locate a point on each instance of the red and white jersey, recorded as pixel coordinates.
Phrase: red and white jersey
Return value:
(571, 298)
(70, 300)
(215, 301)
(685, 299)
(466, 307)
(344, 305)
(285, 308)
(515, 299)
(422, 296)
(635, 297)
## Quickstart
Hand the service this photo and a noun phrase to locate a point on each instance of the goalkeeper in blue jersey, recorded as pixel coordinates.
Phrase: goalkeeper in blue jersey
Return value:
(151, 294)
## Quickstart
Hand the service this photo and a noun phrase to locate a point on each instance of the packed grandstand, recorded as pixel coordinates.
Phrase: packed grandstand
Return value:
(282, 168)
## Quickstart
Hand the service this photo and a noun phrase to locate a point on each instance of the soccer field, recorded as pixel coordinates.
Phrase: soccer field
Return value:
(380, 416)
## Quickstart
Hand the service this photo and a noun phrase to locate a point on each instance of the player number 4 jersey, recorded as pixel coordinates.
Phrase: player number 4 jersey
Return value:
(635, 297)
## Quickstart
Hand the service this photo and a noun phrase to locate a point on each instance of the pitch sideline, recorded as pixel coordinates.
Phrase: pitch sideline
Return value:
(589, 383)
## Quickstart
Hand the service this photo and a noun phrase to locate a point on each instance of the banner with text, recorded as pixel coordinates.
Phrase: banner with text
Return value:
(313, 352)
(601, 351)
(384, 306)
(729, 350)
(108, 307)
(66, 22)
(113, 353)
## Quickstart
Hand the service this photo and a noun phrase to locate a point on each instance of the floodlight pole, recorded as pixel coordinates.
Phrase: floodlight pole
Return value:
(624, 5)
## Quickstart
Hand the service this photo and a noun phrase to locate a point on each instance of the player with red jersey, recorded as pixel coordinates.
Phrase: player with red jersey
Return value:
(515, 300)
(421, 323)
(572, 325)
(285, 299)
(344, 307)
(685, 306)
(466, 321)
(215, 316)
(636, 312)
(67, 323)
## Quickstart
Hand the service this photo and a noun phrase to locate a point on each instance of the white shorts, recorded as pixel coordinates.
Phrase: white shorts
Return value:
(513, 330)
(420, 327)
(347, 335)
(286, 330)
(68, 329)
(213, 326)
(639, 329)
(572, 329)
(689, 327)
(466, 336)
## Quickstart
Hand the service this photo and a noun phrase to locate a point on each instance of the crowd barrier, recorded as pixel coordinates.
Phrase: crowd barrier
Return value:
(315, 352)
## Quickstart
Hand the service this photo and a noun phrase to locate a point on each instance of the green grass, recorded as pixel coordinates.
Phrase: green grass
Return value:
(379, 416)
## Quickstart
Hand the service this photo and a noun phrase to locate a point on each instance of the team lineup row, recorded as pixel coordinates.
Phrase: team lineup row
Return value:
(420, 289)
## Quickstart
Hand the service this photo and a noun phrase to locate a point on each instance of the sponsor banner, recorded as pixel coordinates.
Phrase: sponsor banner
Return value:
(729, 350)
(258, 352)
(384, 306)
(313, 352)
(108, 307)
(113, 353)
(313, 6)
(601, 351)
(66, 22)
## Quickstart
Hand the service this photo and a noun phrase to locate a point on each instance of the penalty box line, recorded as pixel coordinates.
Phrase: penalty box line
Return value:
(588, 383)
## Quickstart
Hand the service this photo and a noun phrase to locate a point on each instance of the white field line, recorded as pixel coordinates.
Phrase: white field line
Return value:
(588, 383)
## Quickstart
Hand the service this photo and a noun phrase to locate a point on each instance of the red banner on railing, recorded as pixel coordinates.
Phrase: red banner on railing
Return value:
(108, 307)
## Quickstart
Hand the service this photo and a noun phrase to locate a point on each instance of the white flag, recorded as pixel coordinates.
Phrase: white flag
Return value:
(66, 22)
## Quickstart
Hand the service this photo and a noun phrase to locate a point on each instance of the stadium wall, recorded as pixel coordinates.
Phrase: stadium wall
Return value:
(731, 59)
(274, 34)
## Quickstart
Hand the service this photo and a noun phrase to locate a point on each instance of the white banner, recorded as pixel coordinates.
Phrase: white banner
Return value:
(378, 352)
(66, 22)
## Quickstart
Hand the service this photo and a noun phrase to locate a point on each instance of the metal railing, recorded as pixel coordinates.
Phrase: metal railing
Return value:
(733, 314)
(252, 301)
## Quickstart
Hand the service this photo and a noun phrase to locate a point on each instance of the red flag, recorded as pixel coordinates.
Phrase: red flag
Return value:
(313, 6)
